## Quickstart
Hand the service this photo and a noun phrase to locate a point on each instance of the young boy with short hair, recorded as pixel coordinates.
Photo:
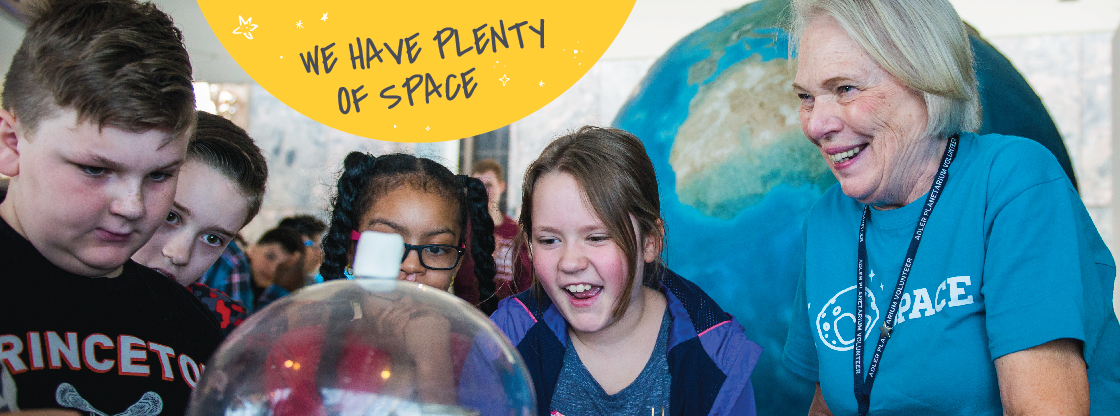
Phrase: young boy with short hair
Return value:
(277, 263)
(97, 109)
(221, 186)
(311, 229)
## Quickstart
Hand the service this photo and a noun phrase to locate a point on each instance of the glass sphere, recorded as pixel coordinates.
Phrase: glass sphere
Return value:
(366, 347)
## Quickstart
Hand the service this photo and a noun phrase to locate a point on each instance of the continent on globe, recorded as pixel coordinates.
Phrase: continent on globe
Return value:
(742, 138)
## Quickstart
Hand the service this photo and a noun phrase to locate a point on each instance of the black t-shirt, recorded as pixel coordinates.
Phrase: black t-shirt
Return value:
(134, 344)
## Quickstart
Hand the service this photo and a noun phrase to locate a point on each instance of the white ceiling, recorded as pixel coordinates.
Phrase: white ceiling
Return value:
(655, 25)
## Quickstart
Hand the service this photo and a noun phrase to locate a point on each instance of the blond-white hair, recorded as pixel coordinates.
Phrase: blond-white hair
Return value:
(922, 43)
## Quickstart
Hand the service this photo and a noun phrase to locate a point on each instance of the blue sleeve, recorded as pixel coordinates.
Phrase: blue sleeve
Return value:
(800, 354)
(1032, 284)
(513, 318)
(745, 406)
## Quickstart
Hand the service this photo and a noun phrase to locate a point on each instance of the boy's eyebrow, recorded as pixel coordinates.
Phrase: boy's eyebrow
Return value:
(102, 161)
(181, 208)
(225, 231)
(187, 211)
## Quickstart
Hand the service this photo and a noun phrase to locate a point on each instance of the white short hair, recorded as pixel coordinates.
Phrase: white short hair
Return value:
(922, 43)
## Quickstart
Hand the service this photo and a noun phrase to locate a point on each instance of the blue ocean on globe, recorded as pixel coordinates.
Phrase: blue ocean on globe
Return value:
(719, 119)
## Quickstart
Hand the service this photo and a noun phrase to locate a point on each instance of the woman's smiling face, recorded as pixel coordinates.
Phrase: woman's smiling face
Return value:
(866, 123)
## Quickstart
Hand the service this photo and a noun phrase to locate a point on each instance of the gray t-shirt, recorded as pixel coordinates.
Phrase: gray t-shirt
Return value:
(578, 394)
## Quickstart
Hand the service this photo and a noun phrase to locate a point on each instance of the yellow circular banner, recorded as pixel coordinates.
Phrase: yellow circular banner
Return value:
(419, 71)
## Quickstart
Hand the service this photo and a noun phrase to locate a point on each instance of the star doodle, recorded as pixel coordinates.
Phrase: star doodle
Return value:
(324, 17)
(246, 27)
(299, 24)
(542, 83)
(504, 79)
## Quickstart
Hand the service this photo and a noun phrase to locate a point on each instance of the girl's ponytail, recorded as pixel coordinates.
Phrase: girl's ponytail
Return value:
(476, 210)
(351, 184)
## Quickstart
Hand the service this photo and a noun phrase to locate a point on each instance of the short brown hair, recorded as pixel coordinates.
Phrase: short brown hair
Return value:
(615, 173)
(226, 148)
(488, 165)
(115, 62)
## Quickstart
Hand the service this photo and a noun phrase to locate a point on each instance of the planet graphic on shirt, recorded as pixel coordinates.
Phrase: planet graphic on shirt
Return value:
(719, 119)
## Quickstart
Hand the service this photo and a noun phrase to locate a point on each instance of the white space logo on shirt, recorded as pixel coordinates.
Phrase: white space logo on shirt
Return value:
(836, 322)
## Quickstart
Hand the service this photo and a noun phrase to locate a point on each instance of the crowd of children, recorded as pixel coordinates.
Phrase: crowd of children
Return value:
(123, 270)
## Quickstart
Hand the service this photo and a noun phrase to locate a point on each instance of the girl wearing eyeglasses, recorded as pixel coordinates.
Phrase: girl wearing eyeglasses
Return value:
(426, 204)
(431, 208)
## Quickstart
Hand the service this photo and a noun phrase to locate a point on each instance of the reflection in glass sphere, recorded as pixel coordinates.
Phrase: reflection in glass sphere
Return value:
(366, 347)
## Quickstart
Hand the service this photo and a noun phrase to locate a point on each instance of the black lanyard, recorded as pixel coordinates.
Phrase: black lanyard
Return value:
(862, 385)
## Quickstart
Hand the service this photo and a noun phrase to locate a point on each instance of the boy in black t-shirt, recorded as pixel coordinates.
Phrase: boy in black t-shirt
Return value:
(97, 108)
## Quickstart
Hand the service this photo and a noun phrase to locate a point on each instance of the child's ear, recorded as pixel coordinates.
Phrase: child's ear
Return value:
(9, 139)
(655, 240)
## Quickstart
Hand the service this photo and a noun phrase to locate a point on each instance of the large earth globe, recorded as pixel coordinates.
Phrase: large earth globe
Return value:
(719, 119)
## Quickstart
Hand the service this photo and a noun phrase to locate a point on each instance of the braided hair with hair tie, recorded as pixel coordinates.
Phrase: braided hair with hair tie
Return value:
(476, 210)
(357, 168)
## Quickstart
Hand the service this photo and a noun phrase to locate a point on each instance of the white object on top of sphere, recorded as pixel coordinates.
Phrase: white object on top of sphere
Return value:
(378, 255)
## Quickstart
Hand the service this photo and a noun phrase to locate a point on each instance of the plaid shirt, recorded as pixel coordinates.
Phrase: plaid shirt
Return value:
(231, 274)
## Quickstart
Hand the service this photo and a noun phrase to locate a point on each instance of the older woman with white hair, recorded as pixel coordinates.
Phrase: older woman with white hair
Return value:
(972, 255)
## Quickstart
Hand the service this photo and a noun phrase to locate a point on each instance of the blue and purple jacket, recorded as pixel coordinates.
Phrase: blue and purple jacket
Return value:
(710, 359)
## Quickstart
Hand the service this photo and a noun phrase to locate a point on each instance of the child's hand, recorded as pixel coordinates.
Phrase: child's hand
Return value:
(424, 337)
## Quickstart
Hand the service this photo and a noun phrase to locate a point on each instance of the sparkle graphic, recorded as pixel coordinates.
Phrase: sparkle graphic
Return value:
(324, 17)
(299, 24)
(428, 128)
(542, 83)
(504, 79)
(246, 27)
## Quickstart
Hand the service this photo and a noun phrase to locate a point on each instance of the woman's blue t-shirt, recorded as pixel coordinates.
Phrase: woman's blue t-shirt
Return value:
(1009, 260)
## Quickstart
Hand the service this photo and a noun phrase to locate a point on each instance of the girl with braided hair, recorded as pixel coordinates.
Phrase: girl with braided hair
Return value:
(442, 217)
